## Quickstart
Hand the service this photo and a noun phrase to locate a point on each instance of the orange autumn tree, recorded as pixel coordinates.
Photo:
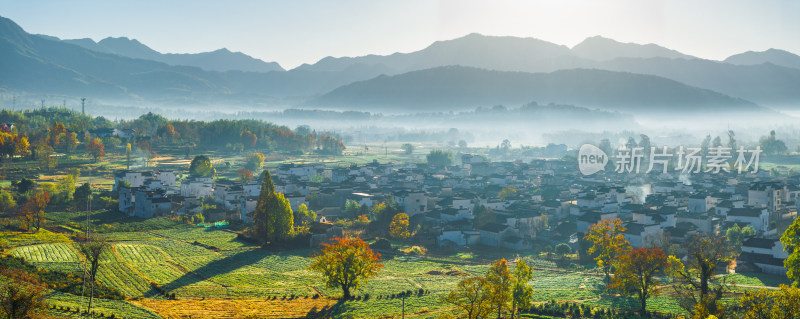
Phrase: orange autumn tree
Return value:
(96, 149)
(346, 263)
(245, 175)
(32, 212)
(636, 271)
(608, 242)
(399, 226)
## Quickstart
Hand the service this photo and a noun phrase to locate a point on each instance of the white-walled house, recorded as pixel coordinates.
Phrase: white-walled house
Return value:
(758, 218)
(134, 179)
(641, 235)
(766, 254)
(197, 187)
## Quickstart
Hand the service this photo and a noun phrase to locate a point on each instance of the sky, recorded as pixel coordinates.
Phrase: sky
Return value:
(296, 32)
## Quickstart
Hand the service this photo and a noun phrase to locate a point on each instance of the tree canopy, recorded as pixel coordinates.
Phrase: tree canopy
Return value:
(791, 244)
(636, 272)
(201, 167)
(399, 226)
(440, 157)
(608, 242)
(346, 263)
(273, 217)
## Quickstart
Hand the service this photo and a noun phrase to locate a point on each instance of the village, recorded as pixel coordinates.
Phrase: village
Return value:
(511, 205)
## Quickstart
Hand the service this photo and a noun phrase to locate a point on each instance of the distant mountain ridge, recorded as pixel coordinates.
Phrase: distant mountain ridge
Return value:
(599, 48)
(220, 60)
(769, 84)
(457, 87)
(774, 56)
(46, 64)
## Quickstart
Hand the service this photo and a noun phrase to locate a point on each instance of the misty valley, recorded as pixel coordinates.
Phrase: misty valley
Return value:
(477, 176)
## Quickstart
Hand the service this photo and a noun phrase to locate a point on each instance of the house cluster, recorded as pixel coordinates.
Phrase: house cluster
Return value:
(461, 205)
(104, 132)
(155, 193)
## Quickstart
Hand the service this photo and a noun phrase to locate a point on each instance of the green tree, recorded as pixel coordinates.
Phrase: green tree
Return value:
(346, 263)
(81, 195)
(201, 167)
(563, 249)
(7, 202)
(791, 244)
(732, 140)
(303, 215)
(522, 292)
(254, 161)
(282, 218)
(706, 144)
(353, 209)
(440, 158)
(471, 296)
(771, 145)
(717, 142)
(45, 158)
(631, 143)
(65, 189)
(408, 148)
(273, 216)
(24, 186)
(92, 249)
(500, 283)
(736, 235)
(505, 146)
(644, 143)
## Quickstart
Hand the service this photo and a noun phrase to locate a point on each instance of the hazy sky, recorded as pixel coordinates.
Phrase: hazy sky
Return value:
(296, 32)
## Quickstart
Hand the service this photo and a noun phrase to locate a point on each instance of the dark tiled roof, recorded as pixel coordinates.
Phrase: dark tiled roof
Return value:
(493, 228)
(759, 243)
(745, 212)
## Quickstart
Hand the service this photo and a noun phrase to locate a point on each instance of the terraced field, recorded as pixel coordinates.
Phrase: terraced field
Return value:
(211, 269)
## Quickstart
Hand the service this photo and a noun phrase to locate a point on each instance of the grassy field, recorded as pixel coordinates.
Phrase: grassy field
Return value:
(235, 279)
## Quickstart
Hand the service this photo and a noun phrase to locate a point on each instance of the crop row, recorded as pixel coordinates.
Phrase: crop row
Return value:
(138, 253)
(124, 278)
(120, 308)
(57, 252)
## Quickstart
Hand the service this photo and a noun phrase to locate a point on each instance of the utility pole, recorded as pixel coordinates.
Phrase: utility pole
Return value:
(83, 105)
(65, 104)
(42, 104)
(404, 305)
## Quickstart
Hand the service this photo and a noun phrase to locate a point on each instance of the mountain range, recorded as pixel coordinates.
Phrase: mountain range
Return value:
(453, 88)
(219, 60)
(474, 70)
